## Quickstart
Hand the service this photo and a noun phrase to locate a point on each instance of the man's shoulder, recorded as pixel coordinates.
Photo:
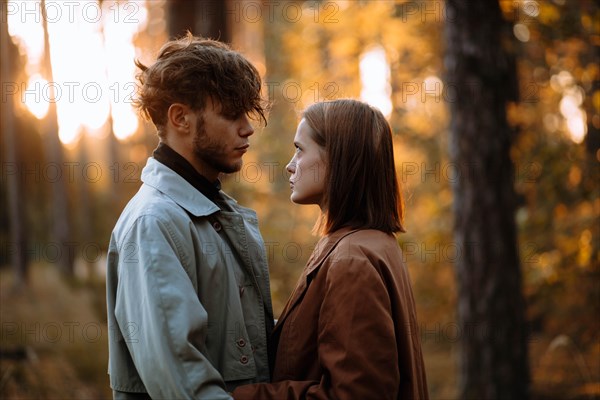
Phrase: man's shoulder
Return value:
(150, 204)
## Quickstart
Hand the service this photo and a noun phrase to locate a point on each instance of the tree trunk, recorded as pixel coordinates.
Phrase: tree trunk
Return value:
(592, 138)
(202, 18)
(85, 201)
(61, 226)
(18, 237)
(481, 74)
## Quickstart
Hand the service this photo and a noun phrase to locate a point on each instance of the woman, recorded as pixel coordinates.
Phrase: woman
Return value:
(349, 329)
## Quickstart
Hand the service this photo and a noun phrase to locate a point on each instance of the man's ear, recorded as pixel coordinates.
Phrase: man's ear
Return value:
(178, 116)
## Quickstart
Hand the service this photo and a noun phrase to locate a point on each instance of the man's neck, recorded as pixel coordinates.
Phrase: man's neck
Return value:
(206, 171)
(179, 164)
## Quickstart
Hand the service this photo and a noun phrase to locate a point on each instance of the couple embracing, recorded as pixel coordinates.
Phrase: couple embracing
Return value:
(189, 303)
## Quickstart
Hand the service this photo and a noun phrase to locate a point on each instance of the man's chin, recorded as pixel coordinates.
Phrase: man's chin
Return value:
(232, 168)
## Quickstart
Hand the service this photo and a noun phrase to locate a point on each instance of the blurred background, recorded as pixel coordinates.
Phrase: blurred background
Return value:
(73, 149)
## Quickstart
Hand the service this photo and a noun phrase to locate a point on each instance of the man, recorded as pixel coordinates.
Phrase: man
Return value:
(189, 306)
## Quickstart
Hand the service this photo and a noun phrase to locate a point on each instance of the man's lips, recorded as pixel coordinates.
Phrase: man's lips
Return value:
(243, 148)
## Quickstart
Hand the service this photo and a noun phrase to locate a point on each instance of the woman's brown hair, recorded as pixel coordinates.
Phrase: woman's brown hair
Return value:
(361, 189)
(192, 69)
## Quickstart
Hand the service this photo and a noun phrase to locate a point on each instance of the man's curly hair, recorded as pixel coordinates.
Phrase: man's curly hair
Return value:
(190, 70)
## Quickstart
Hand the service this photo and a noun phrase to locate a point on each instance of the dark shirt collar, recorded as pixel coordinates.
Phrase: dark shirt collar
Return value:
(169, 157)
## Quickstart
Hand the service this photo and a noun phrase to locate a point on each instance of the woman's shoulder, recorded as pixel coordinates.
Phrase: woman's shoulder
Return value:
(363, 256)
(366, 244)
(362, 239)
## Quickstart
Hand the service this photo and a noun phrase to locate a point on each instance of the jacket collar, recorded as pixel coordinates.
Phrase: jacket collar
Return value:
(325, 246)
(322, 249)
(167, 181)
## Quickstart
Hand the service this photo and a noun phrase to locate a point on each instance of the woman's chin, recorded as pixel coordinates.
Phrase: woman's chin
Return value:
(295, 198)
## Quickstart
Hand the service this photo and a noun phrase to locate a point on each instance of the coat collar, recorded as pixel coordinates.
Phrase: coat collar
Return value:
(167, 181)
(323, 248)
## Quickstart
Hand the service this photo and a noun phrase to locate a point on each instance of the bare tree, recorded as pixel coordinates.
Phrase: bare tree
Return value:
(491, 307)
(16, 212)
(61, 226)
(202, 18)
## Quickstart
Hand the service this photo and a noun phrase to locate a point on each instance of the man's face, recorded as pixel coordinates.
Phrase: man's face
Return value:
(219, 142)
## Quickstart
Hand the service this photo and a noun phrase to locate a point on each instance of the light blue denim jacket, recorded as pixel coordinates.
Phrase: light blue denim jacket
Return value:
(188, 298)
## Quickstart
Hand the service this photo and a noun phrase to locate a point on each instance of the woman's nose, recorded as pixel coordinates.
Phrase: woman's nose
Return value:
(291, 167)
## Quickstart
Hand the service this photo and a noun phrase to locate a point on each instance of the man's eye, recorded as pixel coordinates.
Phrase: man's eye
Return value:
(233, 115)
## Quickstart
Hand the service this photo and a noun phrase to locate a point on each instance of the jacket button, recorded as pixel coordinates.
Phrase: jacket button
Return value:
(241, 342)
(244, 360)
(217, 226)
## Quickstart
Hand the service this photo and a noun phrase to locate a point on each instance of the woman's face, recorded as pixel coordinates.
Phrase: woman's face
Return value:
(307, 168)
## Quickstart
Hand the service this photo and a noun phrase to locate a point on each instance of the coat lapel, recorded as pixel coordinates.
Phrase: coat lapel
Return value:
(322, 250)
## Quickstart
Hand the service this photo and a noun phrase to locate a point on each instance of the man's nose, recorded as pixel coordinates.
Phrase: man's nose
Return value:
(247, 129)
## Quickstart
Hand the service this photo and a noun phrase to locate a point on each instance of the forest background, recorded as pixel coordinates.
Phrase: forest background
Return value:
(73, 150)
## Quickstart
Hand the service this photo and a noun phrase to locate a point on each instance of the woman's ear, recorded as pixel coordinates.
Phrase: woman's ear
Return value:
(178, 117)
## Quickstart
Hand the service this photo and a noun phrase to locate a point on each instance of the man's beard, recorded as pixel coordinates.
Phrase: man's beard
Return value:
(212, 152)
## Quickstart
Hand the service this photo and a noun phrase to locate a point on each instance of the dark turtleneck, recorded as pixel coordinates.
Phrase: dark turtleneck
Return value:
(169, 157)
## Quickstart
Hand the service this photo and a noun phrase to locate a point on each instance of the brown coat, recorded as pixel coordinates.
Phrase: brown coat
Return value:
(349, 329)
